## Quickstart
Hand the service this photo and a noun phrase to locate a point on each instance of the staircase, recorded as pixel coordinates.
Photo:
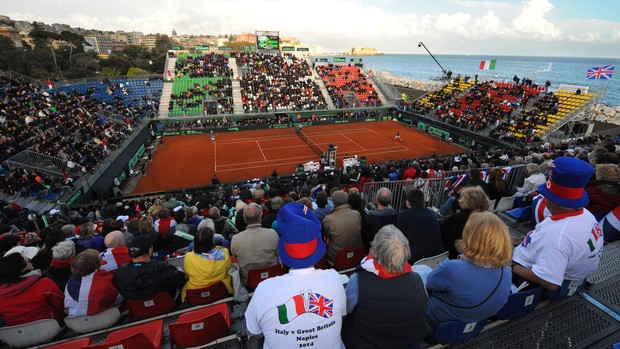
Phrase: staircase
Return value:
(375, 84)
(166, 91)
(236, 86)
(319, 81)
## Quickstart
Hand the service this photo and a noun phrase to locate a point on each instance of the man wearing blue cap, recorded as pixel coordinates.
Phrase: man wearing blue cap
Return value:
(305, 307)
(565, 248)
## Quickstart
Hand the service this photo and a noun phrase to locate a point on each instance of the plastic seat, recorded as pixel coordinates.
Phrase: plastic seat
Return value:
(349, 258)
(434, 261)
(201, 326)
(143, 336)
(520, 304)
(567, 289)
(504, 204)
(256, 276)
(158, 304)
(75, 344)
(457, 331)
(32, 333)
(90, 323)
(206, 295)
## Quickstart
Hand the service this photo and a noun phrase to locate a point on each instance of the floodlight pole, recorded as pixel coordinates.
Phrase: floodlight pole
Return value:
(421, 44)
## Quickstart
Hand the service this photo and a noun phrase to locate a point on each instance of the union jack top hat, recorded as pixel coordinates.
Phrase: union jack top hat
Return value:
(567, 180)
(301, 244)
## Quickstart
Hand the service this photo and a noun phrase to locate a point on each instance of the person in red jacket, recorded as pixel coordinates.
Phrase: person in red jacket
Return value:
(26, 295)
(410, 172)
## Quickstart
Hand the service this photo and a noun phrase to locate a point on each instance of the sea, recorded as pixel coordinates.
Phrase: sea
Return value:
(564, 70)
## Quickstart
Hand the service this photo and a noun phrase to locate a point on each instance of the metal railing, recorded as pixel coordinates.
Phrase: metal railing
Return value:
(61, 83)
(435, 189)
(37, 162)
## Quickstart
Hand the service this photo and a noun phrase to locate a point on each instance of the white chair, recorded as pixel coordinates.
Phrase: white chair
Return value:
(505, 204)
(177, 262)
(434, 261)
(29, 334)
(90, 323)
(492, 205)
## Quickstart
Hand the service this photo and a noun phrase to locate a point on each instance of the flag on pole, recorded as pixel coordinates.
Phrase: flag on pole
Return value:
(487, 65)
(601, 73)
(545, 68)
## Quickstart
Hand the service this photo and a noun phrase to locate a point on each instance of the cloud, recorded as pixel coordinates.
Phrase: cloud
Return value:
(531, 20)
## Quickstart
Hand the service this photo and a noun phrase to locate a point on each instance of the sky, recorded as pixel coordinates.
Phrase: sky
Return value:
(572, 28)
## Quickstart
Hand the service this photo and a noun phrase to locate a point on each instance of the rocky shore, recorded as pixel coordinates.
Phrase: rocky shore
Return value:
(607, 114)
(391, 79)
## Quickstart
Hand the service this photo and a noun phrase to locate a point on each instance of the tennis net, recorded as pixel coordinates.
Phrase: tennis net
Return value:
(318, 150)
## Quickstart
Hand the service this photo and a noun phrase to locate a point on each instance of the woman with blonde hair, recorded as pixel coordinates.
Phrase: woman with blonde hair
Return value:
(477, 285)
(471, 199)
(89, 239)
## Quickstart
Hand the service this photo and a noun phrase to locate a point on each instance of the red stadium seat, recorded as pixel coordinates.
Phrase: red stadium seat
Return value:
(256, 276)
(349, 258)
(143, 336)
(201, 326)
(158, 304)
(75, 344)
(206, 295)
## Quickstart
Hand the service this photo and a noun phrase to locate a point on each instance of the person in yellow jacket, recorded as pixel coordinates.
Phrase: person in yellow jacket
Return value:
(207, 264)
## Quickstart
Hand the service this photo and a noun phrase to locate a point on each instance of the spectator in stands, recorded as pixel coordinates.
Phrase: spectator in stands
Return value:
(222, 225)
(383, 283)
(532, 182)
(255, 247)
(89, 238)
(565, 248)
(383, 215)
(116, 254)
(207, 264)
(304, 298)
(43, 259)
(498, 188)
(472, 199)
(90, 289)
(476, 286)
(604, 192)
(343, 226)
(323, 206)
(420, 226)
(276, 204)
(25, 295)
(144, 277)
(60, 267)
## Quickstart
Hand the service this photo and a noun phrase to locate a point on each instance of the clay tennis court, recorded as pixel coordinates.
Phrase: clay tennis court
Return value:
(190, 161)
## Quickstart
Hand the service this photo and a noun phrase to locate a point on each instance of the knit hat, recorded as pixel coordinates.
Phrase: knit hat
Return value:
(140, 245)
(567, 180)
(301, 244)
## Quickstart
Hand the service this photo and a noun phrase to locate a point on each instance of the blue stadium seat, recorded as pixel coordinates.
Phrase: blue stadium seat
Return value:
(520, 304)
(456, 331)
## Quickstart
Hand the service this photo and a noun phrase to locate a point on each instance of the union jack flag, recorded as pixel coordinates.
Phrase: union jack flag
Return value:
(320, 305)
(601, 73)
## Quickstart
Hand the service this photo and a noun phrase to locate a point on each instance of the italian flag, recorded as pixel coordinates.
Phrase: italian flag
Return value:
(487, 65)
(291, 309)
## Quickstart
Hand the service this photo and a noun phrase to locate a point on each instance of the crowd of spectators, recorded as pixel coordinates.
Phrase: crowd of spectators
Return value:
(73, 126)
(347, 80)
(225, 221)
(203, 77)
(271, 83)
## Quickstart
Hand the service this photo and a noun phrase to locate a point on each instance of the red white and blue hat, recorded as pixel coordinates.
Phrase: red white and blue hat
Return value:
(567, 180)
(301, 244)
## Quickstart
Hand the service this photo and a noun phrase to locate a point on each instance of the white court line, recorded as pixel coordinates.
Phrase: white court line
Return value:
(375, 132)
(214, 158)
(270, 164)
(352, 141)
(261, 150)
(260, 162)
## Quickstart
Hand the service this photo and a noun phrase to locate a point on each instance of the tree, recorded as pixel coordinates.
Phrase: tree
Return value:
(43, 39)
(136, 71)
(162, 44)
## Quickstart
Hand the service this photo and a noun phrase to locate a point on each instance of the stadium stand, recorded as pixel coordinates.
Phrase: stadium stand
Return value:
(348, 86)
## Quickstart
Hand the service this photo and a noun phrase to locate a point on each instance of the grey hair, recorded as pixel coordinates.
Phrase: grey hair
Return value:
(276, 203)
(391, 249)
(63, 250)
(384, 196)
(253, 213)
(69, 230)
(207, 222)
(532, 168)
